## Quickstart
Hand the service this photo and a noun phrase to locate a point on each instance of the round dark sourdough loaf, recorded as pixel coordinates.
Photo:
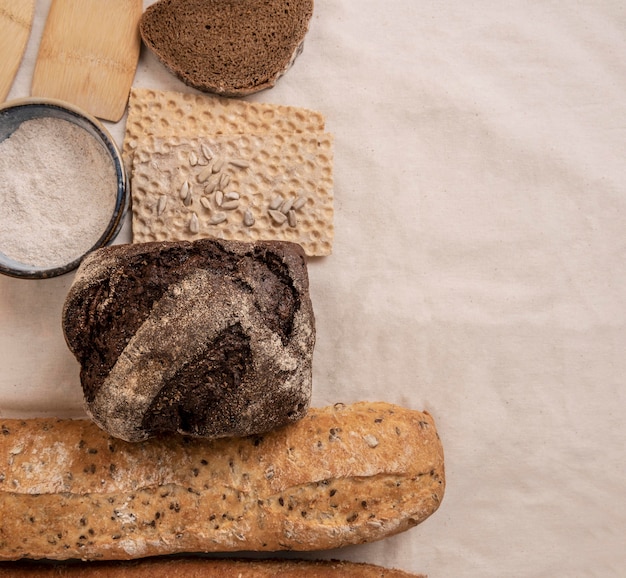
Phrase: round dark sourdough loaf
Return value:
(228, 47)
(208, 338)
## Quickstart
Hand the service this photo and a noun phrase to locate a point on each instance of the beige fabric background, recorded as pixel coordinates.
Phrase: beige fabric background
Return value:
(478, 269)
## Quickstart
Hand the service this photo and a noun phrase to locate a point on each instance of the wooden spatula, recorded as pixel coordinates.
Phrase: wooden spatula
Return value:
(88, 54)
(16, 20)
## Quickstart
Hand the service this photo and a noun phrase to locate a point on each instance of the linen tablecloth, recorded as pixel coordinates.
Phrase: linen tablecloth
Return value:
(478, 268)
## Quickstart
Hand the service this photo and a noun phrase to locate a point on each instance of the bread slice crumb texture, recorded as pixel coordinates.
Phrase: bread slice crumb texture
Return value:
(229, 47)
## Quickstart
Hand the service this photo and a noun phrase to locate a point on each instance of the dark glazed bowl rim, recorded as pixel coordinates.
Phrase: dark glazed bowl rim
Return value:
(12, 114)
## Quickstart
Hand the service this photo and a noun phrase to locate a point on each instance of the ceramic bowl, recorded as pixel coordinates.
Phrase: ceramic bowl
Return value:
(12, 115)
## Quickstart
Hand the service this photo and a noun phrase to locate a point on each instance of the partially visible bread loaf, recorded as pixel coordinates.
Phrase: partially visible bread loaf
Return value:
(203, 568)
(342, 475)
(208, 338)
(229, 47)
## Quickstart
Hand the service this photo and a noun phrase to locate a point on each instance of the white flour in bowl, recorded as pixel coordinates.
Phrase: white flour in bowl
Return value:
(57, 192)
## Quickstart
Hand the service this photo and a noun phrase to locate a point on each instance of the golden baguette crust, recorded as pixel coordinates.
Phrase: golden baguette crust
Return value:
(344, 474)
(203, 568)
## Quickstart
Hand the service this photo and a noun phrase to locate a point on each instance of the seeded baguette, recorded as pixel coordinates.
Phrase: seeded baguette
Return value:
(344, 474)
(199, 568)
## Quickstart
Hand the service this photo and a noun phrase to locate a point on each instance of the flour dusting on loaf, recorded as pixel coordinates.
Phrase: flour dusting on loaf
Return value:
(208, 338)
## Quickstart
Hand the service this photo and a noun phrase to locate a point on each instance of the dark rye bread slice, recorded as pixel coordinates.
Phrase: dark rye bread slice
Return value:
(207, 338)
(229, 47)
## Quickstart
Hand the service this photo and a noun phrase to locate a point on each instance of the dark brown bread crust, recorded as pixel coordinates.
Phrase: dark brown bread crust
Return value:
(208, 338)
(229, 47)
(203, 568)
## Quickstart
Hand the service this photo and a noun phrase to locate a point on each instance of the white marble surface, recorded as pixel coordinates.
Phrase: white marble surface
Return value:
(478, 270)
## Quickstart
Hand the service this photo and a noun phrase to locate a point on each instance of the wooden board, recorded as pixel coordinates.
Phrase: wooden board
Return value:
(88, 54)
(16, 19)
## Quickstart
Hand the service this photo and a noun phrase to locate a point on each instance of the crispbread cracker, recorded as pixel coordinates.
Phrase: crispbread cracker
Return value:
(169, 113)
(172, 201)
